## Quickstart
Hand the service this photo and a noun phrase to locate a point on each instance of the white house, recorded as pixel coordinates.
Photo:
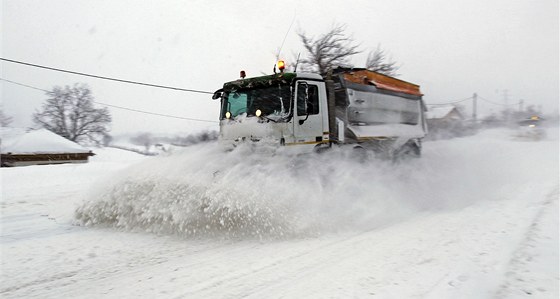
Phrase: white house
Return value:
(22, 147)
(447, 113)
(447, 122)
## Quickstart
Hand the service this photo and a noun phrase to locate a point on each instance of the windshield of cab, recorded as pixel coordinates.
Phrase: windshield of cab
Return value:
(273, 102)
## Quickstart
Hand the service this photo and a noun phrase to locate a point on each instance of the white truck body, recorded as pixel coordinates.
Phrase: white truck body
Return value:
(299, 109)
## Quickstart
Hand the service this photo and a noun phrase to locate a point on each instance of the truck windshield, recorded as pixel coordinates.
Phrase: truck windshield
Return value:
(273, 102)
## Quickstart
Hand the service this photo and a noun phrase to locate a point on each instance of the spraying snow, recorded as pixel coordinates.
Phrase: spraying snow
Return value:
(204, 191)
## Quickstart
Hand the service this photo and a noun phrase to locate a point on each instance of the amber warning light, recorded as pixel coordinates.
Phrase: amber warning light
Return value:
(281, 65)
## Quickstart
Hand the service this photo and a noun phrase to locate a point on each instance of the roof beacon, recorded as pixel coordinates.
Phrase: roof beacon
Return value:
(242, 74)
(281, 65)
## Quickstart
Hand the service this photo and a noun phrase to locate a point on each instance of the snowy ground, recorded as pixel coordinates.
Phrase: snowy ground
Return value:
(476, 217)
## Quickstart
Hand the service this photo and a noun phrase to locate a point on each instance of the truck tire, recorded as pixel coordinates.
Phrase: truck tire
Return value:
(321, 149)
(409, 150)
(360, 154)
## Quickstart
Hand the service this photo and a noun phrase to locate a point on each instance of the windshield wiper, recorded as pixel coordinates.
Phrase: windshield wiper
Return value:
(275, 121)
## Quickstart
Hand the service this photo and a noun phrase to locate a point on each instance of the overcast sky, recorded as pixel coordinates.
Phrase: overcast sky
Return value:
(450, 48)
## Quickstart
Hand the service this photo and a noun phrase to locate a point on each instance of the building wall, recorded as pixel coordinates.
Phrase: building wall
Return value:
(9, 160)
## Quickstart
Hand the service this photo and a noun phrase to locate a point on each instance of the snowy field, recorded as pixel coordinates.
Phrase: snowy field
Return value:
(475, 217)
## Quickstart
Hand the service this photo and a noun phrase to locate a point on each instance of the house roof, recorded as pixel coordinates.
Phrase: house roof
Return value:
(41, 141)
(442, 112)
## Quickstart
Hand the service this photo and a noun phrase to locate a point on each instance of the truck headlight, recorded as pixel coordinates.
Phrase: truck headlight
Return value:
(228, 115)
(258, 113)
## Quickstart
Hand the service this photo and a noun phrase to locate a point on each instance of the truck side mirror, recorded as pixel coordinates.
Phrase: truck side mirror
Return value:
(308, 110)
(217, 94)
(306, 100)
(303, 98)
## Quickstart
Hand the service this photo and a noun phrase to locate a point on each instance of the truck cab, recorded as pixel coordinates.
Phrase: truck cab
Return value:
(283, 109)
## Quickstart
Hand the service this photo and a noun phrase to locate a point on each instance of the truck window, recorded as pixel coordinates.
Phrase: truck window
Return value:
(272, 100)
(313, 99)
(238, 103)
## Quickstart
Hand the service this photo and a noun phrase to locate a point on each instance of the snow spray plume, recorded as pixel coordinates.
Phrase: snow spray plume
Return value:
(204, 191)
(270, 193)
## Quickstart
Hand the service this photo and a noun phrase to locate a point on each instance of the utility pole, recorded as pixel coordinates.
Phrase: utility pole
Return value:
(506, 100)
(521, 105)
(474, 108)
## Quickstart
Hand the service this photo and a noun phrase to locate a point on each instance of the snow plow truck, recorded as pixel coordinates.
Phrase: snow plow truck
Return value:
(356, 108)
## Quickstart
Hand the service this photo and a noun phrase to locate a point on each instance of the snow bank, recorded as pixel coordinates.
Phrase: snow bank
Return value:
(109, 154)
(203, 191)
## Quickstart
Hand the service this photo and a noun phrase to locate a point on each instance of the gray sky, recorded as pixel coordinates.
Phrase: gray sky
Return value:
(450, 48)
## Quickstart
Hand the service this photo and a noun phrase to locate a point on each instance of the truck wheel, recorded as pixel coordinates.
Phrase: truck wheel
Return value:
(409, 150)
(320, 149)
(359, 153)
(415, 151)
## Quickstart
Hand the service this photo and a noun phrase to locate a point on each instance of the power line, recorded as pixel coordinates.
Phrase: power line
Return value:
(24, 85)
(285, 36)
(158, 114)
(449, 103)
(119, 107)
(105, 78)
(494, 103)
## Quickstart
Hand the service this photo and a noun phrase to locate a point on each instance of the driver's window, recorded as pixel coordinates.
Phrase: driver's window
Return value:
(313, 99)
(237, 103)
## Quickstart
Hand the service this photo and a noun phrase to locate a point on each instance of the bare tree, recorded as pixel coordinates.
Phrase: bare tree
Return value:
(107, 140)
(329, 50)
(144, 139)
(4, 119)
(377, 61)
(69, 112)
(204, 136)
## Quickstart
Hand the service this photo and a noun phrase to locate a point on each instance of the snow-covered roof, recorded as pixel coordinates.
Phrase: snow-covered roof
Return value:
(41, 141)
(439, 112)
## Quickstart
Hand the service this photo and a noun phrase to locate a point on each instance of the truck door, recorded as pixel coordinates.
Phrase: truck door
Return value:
(308, 124)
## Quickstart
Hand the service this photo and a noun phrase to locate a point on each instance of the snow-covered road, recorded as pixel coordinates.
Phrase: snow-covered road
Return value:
(476, 217)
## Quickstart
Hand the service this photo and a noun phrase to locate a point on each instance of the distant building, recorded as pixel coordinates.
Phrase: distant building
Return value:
(22, 147)
(444, 114)
(446, 122)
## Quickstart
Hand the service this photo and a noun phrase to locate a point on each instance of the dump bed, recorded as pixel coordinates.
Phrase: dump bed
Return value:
(373, 106)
